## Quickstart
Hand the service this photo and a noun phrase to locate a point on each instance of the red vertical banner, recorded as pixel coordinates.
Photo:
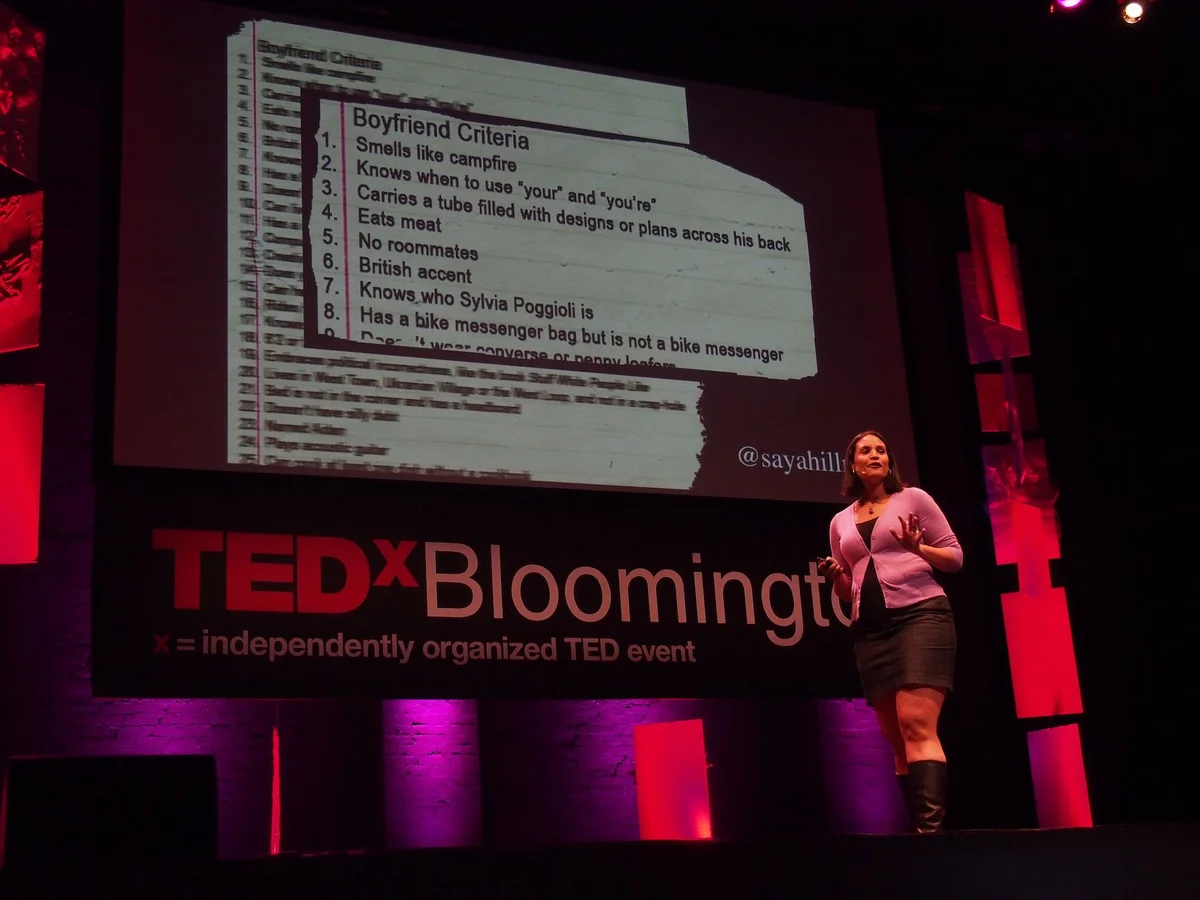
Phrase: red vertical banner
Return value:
(672, 781)
(1021, 500)
(21, 413)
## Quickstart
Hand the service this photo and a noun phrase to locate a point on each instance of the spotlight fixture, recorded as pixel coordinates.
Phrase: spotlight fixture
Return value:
(1132, 12)
(1069, 4)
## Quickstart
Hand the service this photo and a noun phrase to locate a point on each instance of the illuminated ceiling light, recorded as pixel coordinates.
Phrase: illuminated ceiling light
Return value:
(1070, 4)
(1132, 12)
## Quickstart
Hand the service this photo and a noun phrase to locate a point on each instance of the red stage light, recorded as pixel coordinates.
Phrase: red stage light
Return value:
(275, 804)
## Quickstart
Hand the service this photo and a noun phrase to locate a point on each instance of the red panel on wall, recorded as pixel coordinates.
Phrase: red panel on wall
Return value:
(1041, 654)
(987, 339)
(1013, 491)
(993, 408)
(1059, 781)
(21, 408)
(996, 279)
(672, 781)
(22, 51)
(20, 271)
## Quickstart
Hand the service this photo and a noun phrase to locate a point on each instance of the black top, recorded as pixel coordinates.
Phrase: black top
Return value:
(873, 613)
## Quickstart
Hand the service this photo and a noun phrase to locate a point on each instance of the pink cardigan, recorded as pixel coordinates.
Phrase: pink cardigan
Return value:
(904, 577)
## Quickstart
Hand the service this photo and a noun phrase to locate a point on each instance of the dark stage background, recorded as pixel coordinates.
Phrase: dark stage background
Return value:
(1070, 124)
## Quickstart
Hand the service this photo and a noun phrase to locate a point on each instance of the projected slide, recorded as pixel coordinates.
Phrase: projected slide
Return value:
(573, 234)
(450, 265)
(704, 269)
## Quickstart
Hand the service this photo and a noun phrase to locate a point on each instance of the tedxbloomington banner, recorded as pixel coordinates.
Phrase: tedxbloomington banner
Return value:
(205, 612)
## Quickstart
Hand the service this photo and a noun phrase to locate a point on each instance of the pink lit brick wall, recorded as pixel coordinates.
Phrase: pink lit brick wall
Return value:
(431, 773)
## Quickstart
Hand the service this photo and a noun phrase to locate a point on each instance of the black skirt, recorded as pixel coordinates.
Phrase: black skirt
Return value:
(916, 645)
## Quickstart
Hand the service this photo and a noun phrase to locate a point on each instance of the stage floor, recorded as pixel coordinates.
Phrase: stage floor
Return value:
(1135, 862)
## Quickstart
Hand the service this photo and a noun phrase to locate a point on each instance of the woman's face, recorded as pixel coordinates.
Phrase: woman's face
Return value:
(871, 461)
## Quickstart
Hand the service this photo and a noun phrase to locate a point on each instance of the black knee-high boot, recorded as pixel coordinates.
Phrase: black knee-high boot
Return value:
(927, 784)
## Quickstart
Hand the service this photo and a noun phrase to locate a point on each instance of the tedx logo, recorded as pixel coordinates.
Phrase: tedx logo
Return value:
(282, 573)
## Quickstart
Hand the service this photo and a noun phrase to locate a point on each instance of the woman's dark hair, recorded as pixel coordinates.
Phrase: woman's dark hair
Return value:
(852, 485)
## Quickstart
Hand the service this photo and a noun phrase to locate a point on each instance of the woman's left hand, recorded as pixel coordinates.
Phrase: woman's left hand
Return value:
(910, 533)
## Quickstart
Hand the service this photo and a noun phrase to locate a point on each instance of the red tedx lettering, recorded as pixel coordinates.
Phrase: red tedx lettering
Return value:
(281, 573)
(396, 568)
(242, 571)
(187, 546)
(310, 598)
